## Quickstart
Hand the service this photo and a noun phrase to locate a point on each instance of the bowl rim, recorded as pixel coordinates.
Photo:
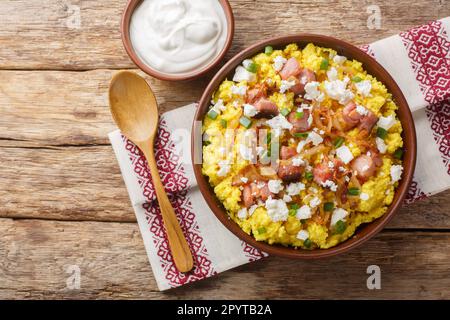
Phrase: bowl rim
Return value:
(365, 231)
(125, 35)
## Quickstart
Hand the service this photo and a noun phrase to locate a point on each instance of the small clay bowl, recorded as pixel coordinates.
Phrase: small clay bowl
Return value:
(125, 31)
(364, 232)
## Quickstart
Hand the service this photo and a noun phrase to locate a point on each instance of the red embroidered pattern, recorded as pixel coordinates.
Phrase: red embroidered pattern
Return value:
(176, 184)
(428, 48)
(414, 193)
(252, 253)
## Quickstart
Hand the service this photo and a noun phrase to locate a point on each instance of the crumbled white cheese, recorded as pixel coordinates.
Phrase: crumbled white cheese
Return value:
(332, 74)
(344, 154)
(242, 214)
(246, 63)
(239, 90)
(218, 107)
(300, 145)
(222, 150)
(364, 87)
(339, 59)
(310, 120)
(298, 161)
(386, 122)
(361, 110)
(304, 212)
(277, 209)
(381, 145)
(314, 202)
(330, 164)
(287, 198)
(279, 123)
(330, 184)
(396, 173)
(338, 214)
(244, 179)
(347, 179)
(364, 196)
(286, 85)
(294, 189)
(341, 169)
(275, 186)
(278, 63)
(250, 110)
(337, 90)
(224, 168)
(315, 138)
(246, 152)
(302, 235)
(242, 74)
(312, 91)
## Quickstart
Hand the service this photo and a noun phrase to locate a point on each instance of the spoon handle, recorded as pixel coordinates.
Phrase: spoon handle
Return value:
(180, 249)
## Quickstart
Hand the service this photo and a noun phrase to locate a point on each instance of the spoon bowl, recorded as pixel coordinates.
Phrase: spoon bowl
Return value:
(135, 111)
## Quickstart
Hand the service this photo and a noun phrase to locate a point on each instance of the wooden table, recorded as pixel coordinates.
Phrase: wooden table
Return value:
(63, 199)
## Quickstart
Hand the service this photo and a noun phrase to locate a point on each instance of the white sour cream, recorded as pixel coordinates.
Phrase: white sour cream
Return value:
(178, 36)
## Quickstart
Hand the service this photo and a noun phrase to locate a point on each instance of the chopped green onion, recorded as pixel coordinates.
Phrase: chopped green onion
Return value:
(295, 206)
(246, 122)
(268, 50)
(252, 67)
(356, 79)
(398, 154)
(299, 114)
(324, 64)
(285, 111)
(328, 206)
(353, 191)
(340, 227)
(307, 243)
(206, 143)
(212, 114)
(338, 142)
(381, 133)
(309, 175)
(224, 123)
(292, 212)
(301, 134)
(261, 230)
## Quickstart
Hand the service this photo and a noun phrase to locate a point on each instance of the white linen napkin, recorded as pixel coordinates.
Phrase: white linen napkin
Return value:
(419, 61)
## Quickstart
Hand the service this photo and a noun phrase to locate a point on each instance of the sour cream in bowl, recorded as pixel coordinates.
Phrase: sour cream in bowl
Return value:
(177, 39)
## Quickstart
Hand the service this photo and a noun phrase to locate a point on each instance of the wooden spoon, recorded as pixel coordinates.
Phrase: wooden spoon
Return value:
(135, 111)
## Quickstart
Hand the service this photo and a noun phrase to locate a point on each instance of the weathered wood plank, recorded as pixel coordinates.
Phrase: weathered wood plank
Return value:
(35, 255)
(85, 184)
(53, 39)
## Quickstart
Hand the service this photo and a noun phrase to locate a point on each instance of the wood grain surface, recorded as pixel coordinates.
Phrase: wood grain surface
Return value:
(64, 201)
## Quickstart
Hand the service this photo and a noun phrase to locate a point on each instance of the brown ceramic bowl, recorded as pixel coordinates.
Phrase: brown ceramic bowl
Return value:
(364, 232)
(125, 31)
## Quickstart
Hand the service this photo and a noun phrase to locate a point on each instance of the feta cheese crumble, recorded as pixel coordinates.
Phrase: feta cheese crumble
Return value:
(298, 161)
(304, 212)
(239, 90)
(302, 235)
(315, 138)
(286, 85)
(332, 74)
(337, 90)
(315, 202)
(242, 74)
(364, 196)
(294, 189)
(339, 59)
(250, 110)
(275, 186)
(278, 63)
(364, 87)
(277, 209)
(242, 214)
(312, 92)
(338, 214)
(244, 179)
(381, 145)
(224, 168)
(344, 154)
(287, 198)
(330, 184)
(361, 110)
(279, 123)
(386, 122)
(396, 173)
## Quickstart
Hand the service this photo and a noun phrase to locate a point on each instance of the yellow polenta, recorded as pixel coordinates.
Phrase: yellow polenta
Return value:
(348, 175)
